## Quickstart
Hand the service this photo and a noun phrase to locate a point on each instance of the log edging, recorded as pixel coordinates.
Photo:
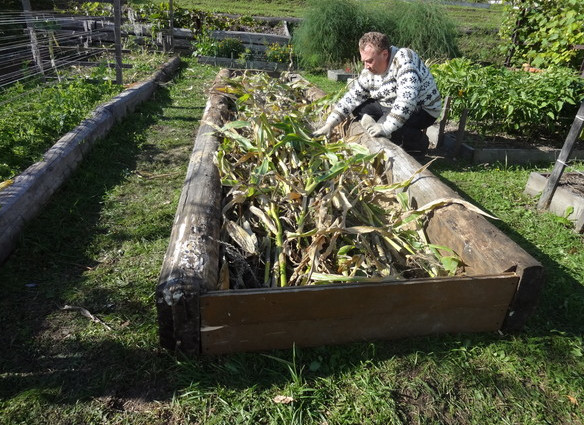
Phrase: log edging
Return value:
(24, 199)
(191, 261)
(195, 318)
(493, 253)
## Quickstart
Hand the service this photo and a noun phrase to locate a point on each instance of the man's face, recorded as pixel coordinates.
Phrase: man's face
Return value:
(374, 60)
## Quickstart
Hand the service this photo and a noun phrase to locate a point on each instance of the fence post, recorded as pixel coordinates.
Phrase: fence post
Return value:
(118, 39)
(36, 54)
(171, 17)
(443, 121)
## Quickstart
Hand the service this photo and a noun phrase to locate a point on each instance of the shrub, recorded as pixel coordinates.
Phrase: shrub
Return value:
(531, 36)
(230, 48)
(423, 26)
(517, 102)
(279, 53)
(330, 31)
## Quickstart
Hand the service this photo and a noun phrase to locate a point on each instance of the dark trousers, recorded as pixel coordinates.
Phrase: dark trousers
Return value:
(411, 135)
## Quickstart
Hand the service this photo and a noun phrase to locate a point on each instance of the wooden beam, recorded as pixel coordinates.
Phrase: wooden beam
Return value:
(480, 244)
(191, 263)
(265, 319)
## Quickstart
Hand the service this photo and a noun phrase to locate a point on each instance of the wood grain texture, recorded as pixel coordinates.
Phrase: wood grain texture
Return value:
(250, 320)
(482, 246)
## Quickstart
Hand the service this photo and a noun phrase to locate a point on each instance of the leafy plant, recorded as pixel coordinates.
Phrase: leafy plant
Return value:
(329, 32)
(420, 25)
(230, 48)
(280, 53)
(499, 99)
(531, 36)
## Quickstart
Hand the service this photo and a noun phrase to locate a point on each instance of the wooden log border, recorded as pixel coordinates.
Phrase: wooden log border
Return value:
(500, 291)
(482, 246)
(24, 199)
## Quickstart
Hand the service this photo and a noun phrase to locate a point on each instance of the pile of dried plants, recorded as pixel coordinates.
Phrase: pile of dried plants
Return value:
(299, 210)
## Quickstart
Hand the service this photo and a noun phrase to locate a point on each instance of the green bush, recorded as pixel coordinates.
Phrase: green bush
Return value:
(531, 35)
(423, 26)
(279, 53)
(230, 48)
(329, 33)
(516, 102)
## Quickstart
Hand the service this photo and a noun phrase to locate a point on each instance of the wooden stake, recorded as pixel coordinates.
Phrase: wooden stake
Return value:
(118, 39)
(554, 179)
(36, 55)
(443, 121)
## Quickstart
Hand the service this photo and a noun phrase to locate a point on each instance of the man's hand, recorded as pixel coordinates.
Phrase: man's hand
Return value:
(371, 126)
(325, 130)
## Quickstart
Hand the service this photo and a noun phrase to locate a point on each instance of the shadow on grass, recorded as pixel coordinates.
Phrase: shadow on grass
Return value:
(38, 348)
(561, 304)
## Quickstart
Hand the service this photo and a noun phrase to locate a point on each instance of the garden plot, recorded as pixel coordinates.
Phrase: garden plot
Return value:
(335, 285)
(505, 150)
(247, 48)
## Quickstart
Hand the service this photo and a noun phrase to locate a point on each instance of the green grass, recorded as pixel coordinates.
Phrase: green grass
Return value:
(99, 245)
(278, 8)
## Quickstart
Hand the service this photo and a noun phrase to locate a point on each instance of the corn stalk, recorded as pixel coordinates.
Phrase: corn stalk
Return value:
(323, 210)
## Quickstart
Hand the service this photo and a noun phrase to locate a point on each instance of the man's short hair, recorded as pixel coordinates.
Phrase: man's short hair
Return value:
(376, 39)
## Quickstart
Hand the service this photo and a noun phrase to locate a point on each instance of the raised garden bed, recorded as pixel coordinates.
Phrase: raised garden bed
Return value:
(501, 149)
(498, 291)
(24, 198)
(255, 42)
(568, 195)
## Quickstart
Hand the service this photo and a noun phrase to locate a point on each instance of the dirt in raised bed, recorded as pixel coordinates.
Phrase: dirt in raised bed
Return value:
(573, 182)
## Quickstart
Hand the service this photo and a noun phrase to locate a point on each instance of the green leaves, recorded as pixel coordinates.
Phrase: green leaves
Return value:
(504, 100)
(539, 40)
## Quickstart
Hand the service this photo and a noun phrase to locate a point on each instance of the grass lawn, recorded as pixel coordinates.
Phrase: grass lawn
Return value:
(99, 246)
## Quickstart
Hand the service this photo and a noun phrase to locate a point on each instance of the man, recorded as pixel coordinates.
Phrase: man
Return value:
(395, 96)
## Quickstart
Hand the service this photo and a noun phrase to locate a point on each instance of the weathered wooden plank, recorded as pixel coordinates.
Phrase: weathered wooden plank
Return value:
(250, 320)
(250, 37)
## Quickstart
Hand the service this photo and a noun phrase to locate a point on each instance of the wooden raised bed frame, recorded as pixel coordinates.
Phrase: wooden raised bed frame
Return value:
(499, 292)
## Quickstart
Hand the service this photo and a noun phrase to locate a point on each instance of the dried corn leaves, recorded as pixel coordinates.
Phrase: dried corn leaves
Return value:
(299, 210)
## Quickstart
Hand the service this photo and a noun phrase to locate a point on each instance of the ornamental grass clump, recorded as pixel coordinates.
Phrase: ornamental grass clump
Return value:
(299, 210)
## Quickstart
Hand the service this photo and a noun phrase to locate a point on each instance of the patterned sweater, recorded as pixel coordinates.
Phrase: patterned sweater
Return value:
(406, 86)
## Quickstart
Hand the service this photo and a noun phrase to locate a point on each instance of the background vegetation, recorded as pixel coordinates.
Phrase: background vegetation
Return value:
(100, 243)
(330, 29)
(529, 35)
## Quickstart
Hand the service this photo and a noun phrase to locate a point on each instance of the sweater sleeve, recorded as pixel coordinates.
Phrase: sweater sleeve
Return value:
(357, 94)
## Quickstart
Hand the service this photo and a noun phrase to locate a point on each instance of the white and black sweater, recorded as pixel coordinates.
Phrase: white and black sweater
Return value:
(406, 86)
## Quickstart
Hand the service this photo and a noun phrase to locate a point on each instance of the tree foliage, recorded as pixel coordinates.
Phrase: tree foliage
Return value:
(543, 32)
